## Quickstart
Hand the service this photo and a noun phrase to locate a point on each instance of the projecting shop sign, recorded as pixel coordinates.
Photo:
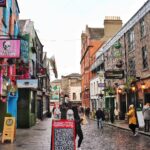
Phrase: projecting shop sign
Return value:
(2, 3)
(9, 48)
(33, 83)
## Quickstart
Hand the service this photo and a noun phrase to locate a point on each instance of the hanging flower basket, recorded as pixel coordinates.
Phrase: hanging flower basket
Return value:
(110, 91)
(4, 99)
(117, 45)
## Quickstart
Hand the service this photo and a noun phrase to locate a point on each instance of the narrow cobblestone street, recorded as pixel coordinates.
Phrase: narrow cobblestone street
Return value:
(111, 138)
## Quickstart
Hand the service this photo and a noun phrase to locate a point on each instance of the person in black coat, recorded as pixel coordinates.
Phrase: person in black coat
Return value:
(100, 117)
(78, 129)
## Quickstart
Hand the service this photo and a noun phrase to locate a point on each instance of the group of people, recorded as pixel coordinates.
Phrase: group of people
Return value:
(77, 114)
(68, 112)
(133, 122)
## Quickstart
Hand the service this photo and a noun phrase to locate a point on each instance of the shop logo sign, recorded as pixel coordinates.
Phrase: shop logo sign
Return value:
(2, 3)
(9, 48)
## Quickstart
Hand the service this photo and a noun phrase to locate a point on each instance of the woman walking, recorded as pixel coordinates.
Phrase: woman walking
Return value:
(132, 119)
(78, 121)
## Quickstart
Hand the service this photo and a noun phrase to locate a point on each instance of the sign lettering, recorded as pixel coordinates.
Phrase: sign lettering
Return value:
(114, 74)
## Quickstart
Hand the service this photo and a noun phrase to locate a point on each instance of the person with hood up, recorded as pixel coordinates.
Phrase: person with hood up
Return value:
(132, 119)
(78, 128)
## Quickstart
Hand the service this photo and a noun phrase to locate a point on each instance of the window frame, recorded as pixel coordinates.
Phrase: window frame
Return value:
(131, 40)
(142, 28)
(144, 57)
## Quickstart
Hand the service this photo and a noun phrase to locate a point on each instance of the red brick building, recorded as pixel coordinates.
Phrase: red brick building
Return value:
(91, 40)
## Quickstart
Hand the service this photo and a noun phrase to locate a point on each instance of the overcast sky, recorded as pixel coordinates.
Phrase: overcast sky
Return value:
(59, 24)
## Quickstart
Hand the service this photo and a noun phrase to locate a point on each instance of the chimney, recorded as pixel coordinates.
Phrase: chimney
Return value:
(112, 24)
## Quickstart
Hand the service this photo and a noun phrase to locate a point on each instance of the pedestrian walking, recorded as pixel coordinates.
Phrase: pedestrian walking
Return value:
(112, 114)
(100, 117)
(87, 111)
(132, 119)
(78, 128)
(146, 114)
(63, 110)
(116, 112)
(57, 113)
(70, 113)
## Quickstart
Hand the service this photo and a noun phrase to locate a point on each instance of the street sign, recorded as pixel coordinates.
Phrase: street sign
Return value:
(101, 85)
(63, 135)
(9, 131)
(27, 83)
(114, 74)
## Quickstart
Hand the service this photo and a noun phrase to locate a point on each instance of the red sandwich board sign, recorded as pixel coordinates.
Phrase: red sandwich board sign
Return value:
(63, 135)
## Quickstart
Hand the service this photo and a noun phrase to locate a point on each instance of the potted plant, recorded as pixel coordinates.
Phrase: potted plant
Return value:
(110, 90)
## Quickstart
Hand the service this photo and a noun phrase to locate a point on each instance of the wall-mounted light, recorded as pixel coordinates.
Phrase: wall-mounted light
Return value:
(133, 87)
(142, 85)
(119, 90)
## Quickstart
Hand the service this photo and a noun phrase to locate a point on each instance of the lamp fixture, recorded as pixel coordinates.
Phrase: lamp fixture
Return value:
(133, 87)
(119, 90)
(142, 85)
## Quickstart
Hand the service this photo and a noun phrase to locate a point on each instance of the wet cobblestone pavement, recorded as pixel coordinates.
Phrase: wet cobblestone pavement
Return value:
(111, 138)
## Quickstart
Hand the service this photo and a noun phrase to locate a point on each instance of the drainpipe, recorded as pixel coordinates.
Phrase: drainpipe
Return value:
(126, 70)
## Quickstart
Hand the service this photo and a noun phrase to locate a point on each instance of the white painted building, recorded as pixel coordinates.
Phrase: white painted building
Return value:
(97, 91)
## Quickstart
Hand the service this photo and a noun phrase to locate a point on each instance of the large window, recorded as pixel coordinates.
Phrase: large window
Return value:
(144, 57)
(142, 28)
(131, 40)
(131, 71)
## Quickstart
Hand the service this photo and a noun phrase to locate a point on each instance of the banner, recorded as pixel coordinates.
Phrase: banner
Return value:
(140, 119)
(25, 51)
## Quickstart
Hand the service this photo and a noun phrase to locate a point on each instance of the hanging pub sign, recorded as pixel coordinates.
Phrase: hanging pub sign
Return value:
(9, 48)
(63, 135)
(2, 3)
(114, 74)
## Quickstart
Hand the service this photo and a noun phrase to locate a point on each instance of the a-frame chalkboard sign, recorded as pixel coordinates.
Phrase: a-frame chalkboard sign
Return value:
(63, 135)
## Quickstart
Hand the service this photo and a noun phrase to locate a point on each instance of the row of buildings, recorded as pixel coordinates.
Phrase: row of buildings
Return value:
(24, 68)
(115, 63)
(67, 89)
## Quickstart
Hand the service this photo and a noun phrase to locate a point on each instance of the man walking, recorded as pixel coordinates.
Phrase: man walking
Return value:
(100, 118)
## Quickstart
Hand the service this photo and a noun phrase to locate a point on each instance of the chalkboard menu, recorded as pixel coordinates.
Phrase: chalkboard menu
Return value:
(63, 135)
